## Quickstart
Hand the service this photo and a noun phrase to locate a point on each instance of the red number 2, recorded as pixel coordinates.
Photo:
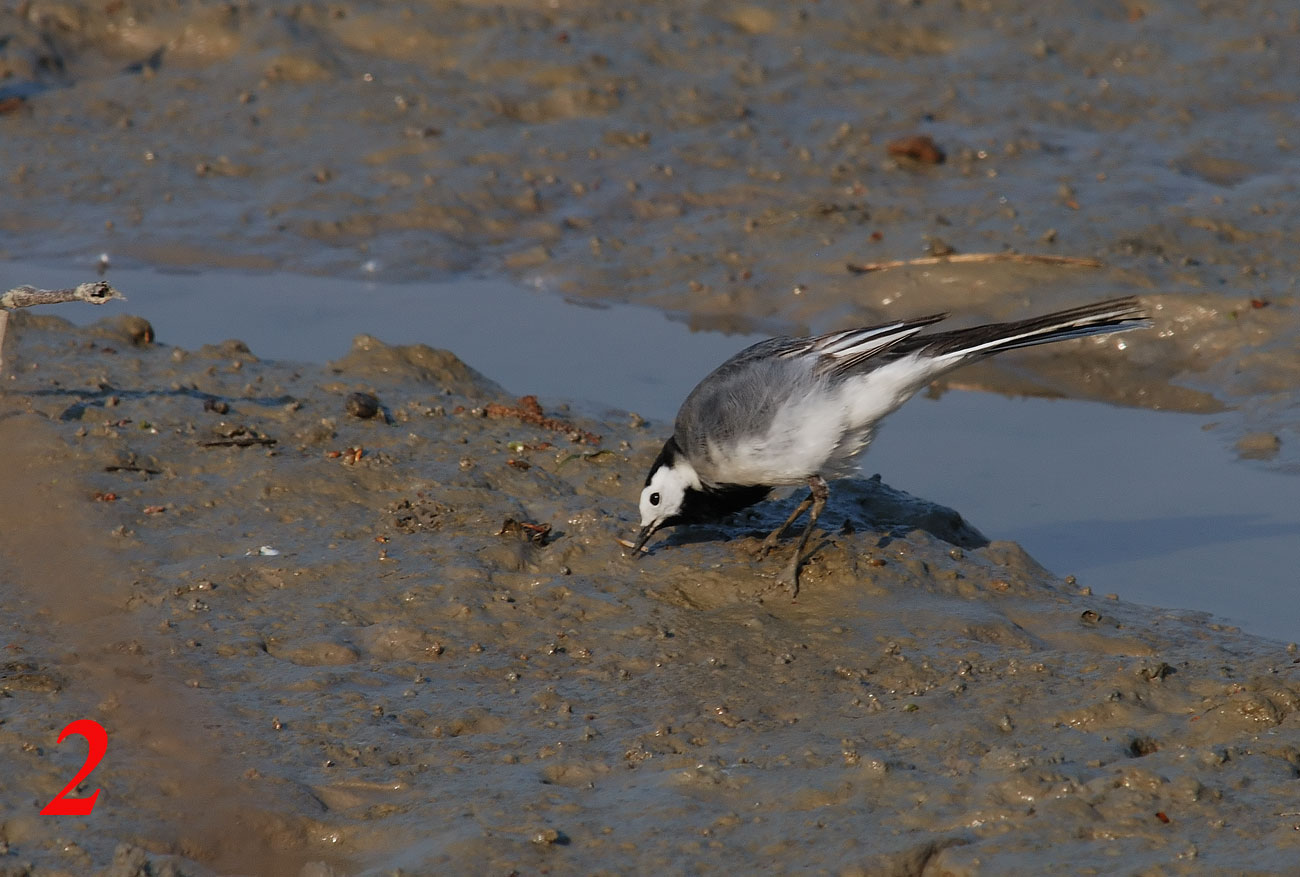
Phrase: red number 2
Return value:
(97, 737)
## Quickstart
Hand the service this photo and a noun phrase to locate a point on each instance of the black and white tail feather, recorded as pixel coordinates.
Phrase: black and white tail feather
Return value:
(800, 410)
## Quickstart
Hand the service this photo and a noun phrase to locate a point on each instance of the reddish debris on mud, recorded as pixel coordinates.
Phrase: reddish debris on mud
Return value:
(529, 410)
(920, 148)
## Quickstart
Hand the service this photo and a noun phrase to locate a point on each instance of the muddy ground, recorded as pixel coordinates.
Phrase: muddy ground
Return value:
(723, 161)
(411, 682)
(448, 664)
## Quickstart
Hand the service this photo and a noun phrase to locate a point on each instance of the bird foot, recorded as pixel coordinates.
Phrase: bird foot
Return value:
(790, 578)
(768, 545)
(788, 581)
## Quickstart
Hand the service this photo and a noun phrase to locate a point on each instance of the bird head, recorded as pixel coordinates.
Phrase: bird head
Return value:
(665, 494)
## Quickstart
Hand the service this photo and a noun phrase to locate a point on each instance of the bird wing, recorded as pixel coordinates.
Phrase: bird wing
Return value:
(845, 350)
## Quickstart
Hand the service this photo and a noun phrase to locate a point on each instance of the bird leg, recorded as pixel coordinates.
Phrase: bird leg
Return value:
(817, 495)
(775, 536)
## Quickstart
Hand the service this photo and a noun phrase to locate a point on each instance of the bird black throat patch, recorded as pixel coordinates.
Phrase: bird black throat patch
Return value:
(712, 503)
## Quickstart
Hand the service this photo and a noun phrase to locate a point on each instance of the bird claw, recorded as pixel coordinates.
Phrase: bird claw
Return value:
(790, 579)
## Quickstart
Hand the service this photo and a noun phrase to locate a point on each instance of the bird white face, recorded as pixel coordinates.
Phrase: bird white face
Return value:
(663, 496)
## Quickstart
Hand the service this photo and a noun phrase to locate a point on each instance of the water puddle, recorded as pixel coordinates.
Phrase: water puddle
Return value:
(1148, 505)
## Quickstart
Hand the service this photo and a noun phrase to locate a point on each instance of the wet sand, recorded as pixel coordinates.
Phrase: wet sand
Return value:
(426, 677)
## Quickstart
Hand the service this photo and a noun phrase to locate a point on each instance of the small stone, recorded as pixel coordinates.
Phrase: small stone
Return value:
(549, 837)
(362, 405)
(128, 329)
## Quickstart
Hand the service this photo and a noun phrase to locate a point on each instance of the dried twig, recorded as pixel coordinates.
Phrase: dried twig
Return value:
(96, 292)
(868, 267)
(242, 441)
(631, 545)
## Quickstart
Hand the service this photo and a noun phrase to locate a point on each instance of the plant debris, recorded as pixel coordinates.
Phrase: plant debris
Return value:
(535, 533)
(238, 437)
(868, 267)
(529, 410)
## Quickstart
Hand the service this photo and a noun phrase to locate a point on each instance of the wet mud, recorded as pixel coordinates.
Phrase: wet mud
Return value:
(373, 616)
(587, 148)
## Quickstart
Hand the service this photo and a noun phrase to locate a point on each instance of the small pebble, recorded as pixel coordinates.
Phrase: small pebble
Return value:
(362, 405)
(134, 330)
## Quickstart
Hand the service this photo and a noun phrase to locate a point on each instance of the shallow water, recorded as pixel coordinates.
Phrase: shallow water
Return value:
(631, 357)
(1149, 505)
(1152, 506)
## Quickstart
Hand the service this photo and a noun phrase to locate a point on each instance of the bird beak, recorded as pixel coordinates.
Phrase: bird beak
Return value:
(641, 539)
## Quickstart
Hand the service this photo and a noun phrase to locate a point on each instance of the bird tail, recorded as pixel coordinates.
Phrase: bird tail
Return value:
(1101, 318)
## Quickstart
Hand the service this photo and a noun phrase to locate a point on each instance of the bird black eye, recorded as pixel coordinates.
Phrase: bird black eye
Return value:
(654, 499)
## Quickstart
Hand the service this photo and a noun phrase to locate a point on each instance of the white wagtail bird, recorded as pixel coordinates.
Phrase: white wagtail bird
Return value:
(790, 411)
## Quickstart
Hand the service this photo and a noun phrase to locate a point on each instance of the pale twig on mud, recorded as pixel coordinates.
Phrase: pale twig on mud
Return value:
(96, 292)
(868, 267)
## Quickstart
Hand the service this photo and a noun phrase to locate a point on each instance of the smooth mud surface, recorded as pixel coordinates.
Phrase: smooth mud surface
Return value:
(410, 643)
(327, 644)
